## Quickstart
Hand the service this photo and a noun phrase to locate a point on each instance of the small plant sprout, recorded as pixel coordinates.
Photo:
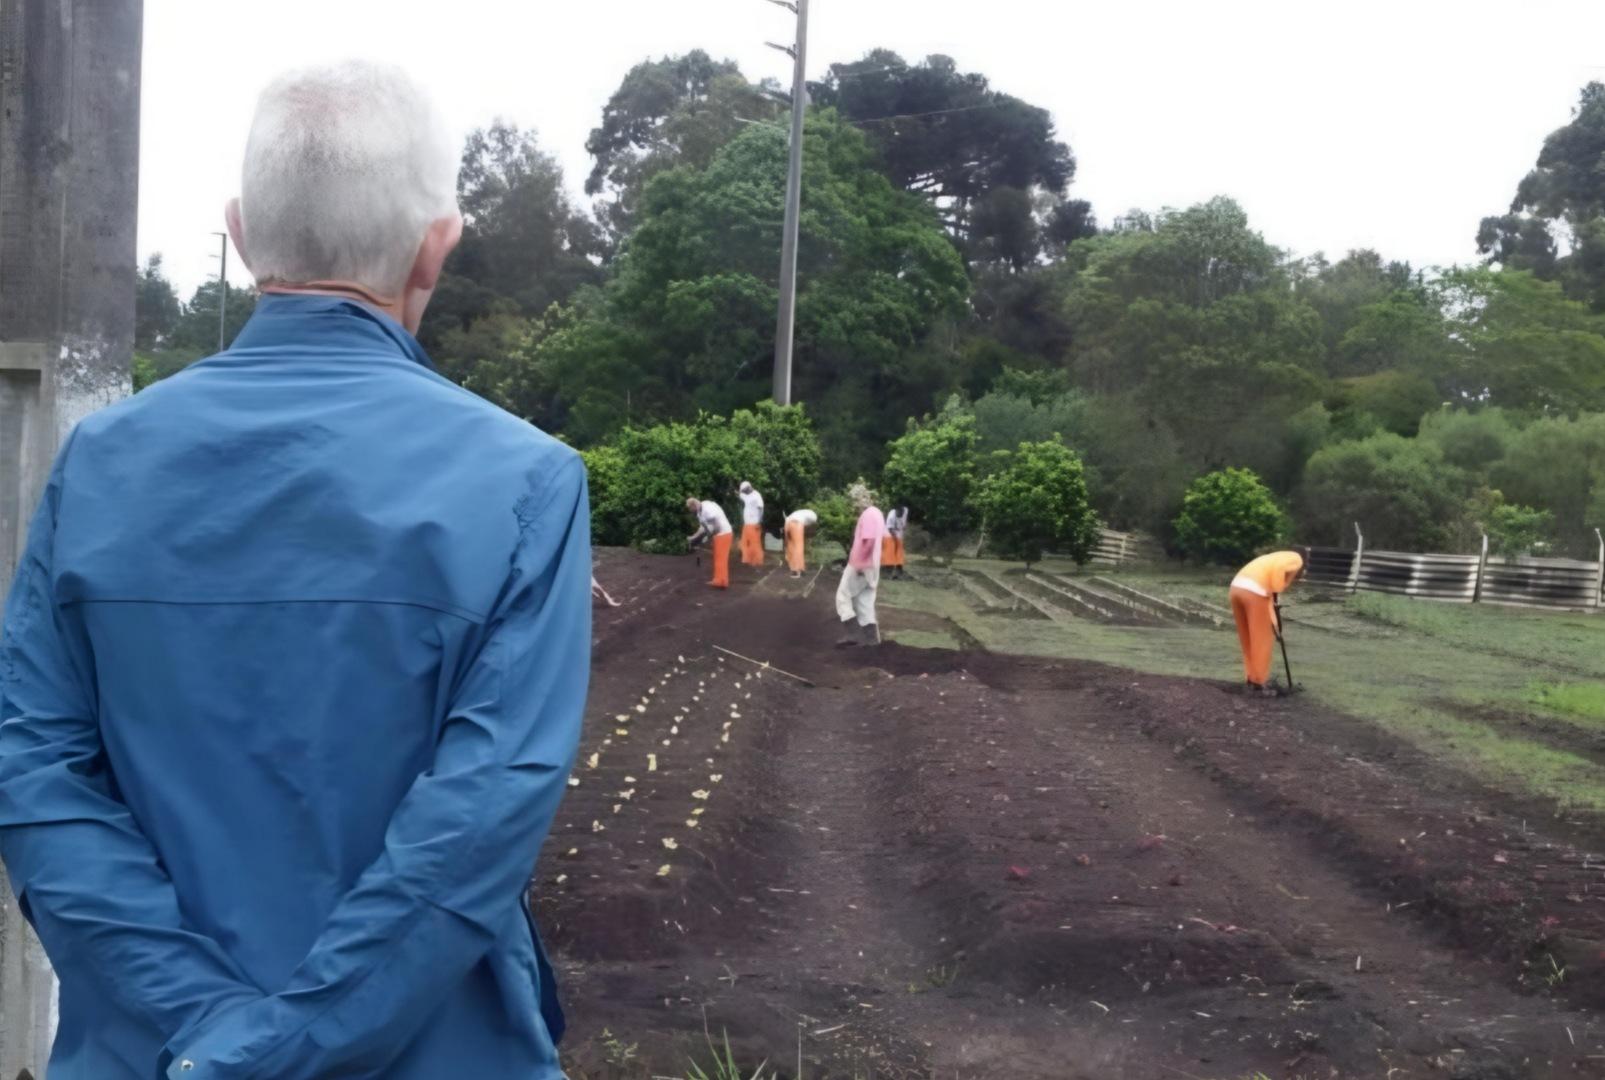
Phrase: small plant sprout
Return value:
(663, 871)
(652, 763)
(699, 811)
(573, 781)
(691, 823)
(597, 826)
(559, 879)
(716, 777)
(670, 842)
(590, 762)
(629, 779)
(640, 708)
(701, 793)
(621, 732)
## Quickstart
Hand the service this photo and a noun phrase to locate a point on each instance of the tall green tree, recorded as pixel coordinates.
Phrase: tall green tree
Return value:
(686, 321)
(1517, 341)
(156, 306)
(679, 110)
(525, 245)
(991, 162)
(1191, 318)
(1555, 226)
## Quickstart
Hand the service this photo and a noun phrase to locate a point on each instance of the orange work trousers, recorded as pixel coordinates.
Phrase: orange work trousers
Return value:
(721, 561)
(891, 551)
(752, 545)
(1255, 616)
(795, 547)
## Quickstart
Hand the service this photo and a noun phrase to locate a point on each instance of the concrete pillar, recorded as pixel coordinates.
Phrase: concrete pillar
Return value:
(69, 166)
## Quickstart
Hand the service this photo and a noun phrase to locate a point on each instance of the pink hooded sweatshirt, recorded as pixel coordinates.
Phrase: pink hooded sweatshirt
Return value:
(866, 550)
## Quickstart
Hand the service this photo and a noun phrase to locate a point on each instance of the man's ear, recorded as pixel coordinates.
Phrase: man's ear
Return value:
(236, 230)
(441, 237)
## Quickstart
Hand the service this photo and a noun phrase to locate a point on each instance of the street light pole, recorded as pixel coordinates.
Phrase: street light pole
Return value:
(786, 322)
(222, 289)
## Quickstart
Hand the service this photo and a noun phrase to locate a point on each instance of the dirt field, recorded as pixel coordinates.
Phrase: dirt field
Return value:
(953, 863)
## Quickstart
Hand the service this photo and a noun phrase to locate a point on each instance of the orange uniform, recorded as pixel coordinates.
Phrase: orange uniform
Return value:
(751, 526)
(1254, 593)
(892, 553)
(713, 522)
(797, 525)
(721, 561)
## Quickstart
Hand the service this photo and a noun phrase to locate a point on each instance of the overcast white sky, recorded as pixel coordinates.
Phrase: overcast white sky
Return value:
(1336, 123)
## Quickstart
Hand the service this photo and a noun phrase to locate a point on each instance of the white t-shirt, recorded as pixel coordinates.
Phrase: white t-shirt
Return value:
(896, 523)
(752, 508)
(711, 518)
(806, 517)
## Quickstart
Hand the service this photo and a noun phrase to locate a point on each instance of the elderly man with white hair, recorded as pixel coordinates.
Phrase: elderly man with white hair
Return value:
(294, 663)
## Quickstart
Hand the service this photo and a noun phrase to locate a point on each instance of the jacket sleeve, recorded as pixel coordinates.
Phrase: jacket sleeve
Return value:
(462, 844)
(84, 873)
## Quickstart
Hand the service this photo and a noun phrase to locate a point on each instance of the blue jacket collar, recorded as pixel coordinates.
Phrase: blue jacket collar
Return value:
(283, 319)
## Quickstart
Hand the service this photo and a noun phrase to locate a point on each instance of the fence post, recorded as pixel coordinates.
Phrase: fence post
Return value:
(1124, 539)
(1482, 566)
(1599, 593)
(1359, 554)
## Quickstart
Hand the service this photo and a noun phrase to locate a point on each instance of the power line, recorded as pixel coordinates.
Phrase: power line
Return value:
(933, 112)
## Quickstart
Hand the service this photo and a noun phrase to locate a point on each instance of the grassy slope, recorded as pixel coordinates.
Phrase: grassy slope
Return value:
(1433, 673)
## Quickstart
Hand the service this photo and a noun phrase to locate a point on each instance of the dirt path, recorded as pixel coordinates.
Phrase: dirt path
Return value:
(942, 864)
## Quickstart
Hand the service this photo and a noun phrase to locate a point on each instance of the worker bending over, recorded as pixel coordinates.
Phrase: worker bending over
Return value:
(1254, 593)
(712, 523)
(892, 547)
(799, 523)
(855, 596)
(751, 525)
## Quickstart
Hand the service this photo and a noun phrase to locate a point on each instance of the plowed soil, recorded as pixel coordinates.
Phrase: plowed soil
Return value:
(937, 863)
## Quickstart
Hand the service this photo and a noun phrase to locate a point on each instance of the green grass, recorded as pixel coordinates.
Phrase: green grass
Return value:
(1418, 669)
(1584, 701)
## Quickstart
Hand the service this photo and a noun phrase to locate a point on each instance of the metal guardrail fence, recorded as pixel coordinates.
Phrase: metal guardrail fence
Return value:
(1118, 548)
(1569, 584)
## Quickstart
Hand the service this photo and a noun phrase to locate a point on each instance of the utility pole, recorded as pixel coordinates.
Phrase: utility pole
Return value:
(69, 158)
(222, 288)
(786, 323)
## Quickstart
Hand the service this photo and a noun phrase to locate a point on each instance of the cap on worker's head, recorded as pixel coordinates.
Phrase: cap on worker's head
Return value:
(746, 486)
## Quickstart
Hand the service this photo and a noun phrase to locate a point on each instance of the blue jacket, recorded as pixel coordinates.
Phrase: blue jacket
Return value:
(290, 685)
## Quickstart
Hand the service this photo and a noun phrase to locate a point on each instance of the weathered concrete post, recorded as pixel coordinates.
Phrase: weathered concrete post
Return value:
(69, 166)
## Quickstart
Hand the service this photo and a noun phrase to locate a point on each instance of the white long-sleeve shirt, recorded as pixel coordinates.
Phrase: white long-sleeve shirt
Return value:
(805, 517)
(712, 518)
(897, 523)
(752, 508)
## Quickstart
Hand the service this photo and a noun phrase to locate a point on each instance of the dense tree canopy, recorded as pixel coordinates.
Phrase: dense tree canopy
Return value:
(1556, 223)
(525, 246)
(687, 319)
(675, 111)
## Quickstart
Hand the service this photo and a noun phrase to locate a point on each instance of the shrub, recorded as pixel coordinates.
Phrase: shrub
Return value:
(1039, 502)
(604, 465)
(932, 471)
(1517, 530)
(1004, 421)
(1401, 491)
(1469, 439)
(1229, 516)
(1558, 465)
(640, 480)
(787, 469)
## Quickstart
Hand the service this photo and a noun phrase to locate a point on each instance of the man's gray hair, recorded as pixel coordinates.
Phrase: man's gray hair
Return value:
(346, 167)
